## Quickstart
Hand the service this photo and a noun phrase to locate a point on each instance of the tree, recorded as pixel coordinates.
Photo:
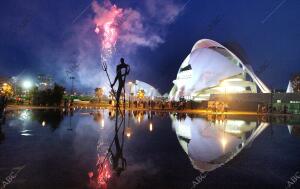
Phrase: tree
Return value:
(57, 94)
(6, 89)
(99, 93)
(49, 97)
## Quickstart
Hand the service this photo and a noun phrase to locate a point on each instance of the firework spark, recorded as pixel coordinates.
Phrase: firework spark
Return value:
(107, 27)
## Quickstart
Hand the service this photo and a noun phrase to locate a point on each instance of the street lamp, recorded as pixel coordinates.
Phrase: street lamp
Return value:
(27, 84)
(72, 89)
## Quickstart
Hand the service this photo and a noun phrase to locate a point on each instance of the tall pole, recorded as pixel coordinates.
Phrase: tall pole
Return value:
(72, 88)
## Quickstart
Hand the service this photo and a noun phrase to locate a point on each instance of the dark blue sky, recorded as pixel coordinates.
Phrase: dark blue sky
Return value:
(38, 36)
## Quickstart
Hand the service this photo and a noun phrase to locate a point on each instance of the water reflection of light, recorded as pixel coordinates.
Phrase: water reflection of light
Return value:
(102, 175)
(150, 127)
(43, 123)
(26, 134)
(139, 119)
(102, 123)
(223, 142)
(25, 115)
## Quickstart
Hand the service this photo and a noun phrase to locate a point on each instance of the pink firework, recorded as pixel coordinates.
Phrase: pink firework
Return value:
(106, 21)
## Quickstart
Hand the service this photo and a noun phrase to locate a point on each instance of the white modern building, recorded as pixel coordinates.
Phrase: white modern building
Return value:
(148, 90)
(211, 68)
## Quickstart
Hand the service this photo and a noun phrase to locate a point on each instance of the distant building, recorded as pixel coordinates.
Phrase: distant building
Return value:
(139, 86)
(44, 82)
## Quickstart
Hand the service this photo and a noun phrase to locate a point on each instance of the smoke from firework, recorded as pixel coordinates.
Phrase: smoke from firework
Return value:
(118, 32)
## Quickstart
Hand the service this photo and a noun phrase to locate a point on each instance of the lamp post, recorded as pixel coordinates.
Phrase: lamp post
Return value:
(72, 89)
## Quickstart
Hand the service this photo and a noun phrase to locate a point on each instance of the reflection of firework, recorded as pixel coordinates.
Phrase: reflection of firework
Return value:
(103, 173)
(101, 176)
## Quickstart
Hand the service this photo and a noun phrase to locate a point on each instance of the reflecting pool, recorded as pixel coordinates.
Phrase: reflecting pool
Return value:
(97, 148)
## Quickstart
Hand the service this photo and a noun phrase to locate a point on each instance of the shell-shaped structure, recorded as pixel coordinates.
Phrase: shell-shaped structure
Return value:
(211, 68)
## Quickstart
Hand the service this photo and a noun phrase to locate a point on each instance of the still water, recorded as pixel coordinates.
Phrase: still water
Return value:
(80, 149)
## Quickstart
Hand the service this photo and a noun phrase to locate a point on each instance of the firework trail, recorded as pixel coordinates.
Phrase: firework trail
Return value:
(107, 27)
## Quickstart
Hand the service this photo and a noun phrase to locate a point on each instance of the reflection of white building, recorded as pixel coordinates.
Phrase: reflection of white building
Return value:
(211, 68)
(136, 86)
(210, 145)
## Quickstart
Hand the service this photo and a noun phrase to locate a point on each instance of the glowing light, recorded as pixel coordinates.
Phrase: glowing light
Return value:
(27, 84)
(6, 89)
(102, 123)
(150, 127)
(26, 134)
(223, 142)
(43, 123)
(139, 119)
(128, 134)
(25, 115)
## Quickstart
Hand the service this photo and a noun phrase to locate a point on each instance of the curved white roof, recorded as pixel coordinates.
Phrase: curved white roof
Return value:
(206, 66)
(149, 90)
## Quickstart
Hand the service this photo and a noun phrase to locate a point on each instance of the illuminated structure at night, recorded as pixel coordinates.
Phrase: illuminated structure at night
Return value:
(137, 87)
(211, 68)
(212, 143)
(44, 82)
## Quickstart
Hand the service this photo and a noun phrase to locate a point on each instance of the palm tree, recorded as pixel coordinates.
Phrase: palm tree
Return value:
(99, 93)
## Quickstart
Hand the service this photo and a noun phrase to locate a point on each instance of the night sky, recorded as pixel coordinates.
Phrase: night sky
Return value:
(50, 37)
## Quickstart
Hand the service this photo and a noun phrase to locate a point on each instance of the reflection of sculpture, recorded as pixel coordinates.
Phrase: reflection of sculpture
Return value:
(117, 159)
(209, 145)
(113, 159)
